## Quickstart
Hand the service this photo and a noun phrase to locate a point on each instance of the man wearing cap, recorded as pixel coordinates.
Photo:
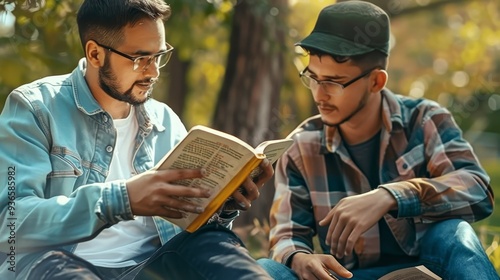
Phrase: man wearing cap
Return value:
(383, 181)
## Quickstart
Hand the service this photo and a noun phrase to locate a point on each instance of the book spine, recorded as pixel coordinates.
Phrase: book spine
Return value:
(224, 194)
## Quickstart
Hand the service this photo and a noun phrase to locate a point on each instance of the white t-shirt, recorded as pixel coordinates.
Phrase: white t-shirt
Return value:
(128, 242)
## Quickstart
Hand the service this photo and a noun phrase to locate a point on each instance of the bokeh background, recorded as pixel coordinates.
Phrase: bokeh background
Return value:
(235, 68)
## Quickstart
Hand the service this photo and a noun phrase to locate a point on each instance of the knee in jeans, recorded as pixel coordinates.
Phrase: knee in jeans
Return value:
(277, 270)
(62, 265)
(265, 262)
(450, 235)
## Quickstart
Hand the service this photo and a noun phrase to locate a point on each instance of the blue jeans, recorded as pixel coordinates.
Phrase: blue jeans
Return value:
(212, 252)
(450, 249)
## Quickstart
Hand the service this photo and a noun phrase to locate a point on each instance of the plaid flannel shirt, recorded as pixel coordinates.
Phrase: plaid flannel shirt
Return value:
(427, 166)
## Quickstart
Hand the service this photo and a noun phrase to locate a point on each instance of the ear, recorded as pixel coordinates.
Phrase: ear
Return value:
(95, 54)
(379, 81)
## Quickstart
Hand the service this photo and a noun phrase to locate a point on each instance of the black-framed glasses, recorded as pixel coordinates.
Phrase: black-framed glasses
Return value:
(142, 62)
(330, 87)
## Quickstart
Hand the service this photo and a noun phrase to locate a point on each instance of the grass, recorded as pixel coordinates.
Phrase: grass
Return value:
(488, 229)
(255, 236)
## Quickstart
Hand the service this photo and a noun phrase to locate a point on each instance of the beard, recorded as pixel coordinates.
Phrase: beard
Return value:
(107, 82)
(361, 104)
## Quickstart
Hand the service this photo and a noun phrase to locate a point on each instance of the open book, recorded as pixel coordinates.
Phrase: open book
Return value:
(411, 273)
(228, 161)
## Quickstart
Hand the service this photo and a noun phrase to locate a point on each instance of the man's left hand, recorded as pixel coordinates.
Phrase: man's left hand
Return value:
(242, 198)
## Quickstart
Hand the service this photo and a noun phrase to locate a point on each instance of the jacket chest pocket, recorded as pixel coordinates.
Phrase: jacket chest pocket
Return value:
(410, 163)
(66, 170)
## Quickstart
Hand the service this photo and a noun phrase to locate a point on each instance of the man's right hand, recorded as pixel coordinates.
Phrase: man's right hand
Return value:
(317, 266)
(152, 193)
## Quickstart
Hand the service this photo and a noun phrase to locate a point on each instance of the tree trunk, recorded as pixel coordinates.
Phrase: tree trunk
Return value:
(248, 103)
(177, 86)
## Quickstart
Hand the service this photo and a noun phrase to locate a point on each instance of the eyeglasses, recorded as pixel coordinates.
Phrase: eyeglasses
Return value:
(330, 87)
(141, 63)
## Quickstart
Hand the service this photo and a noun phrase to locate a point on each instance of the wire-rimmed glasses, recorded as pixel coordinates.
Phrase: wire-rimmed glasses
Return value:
(142, 62)
(330, 87)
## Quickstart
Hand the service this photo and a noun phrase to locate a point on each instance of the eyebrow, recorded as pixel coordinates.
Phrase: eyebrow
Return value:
(143, 53)
(336, 77)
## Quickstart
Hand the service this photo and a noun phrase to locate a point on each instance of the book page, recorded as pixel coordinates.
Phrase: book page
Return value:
(411, 273)
(273, 149)
(221, 158)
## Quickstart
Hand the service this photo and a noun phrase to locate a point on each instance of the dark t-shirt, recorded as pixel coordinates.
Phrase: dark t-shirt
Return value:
(366, 156)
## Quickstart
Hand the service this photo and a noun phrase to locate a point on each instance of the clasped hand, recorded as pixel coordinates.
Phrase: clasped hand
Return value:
(353, 216)
(153, 193)
(347, 221)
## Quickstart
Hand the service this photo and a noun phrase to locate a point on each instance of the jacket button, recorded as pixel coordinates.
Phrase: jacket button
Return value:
(109, 149)
(405, 166)
(105, 118)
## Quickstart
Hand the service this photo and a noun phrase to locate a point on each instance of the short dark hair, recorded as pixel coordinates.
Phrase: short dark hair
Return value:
(104, 20)
(364, 61)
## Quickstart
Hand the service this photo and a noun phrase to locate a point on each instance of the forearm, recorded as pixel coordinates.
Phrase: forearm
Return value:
(290, 232)
(441, 177)
(458, 194)
(292, 222)
(283, 249)
(63, 220)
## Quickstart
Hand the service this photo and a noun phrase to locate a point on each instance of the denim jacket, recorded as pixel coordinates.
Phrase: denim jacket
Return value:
(56, 145)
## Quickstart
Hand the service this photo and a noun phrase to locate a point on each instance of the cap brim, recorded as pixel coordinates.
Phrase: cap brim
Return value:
(333, 45)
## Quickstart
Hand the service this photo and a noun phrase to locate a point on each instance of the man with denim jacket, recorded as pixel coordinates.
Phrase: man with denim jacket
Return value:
(76, 190)
(384, 181)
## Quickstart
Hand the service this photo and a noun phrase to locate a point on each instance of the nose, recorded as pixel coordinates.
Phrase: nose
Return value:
(152, 70)
(319, 93)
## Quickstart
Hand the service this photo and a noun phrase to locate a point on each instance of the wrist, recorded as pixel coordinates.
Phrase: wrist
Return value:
(229, 214)
(290, 259)
(388, 199)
